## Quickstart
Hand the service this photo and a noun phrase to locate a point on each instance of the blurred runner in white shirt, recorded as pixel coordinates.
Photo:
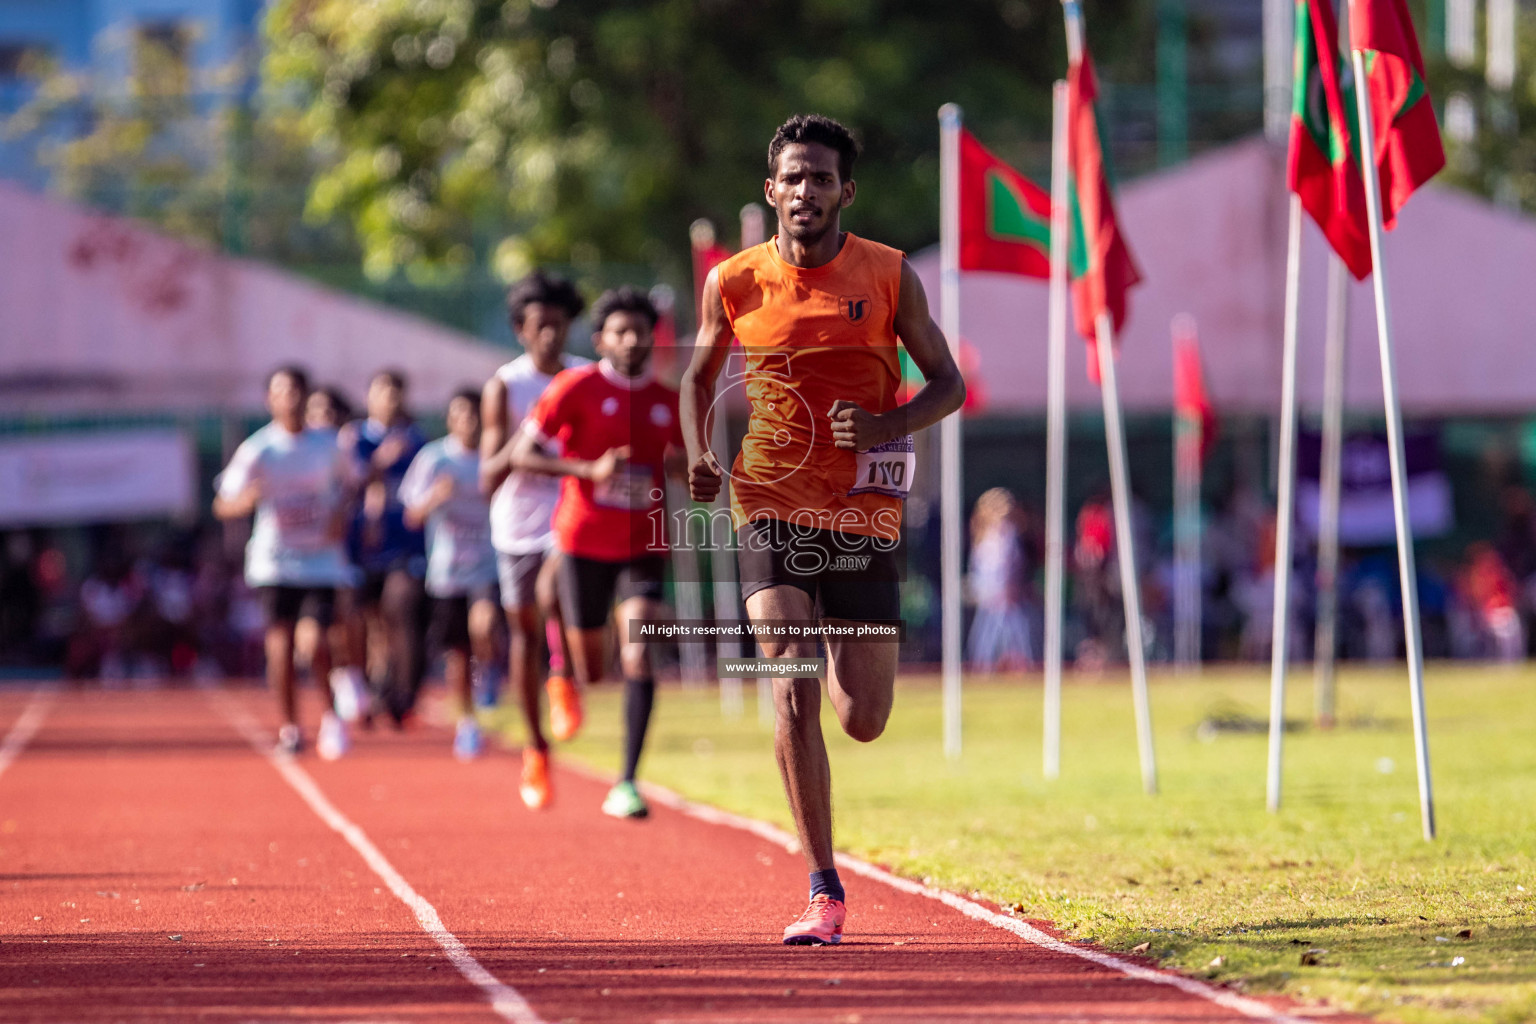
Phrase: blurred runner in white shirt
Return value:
(541, 309)
(295, 481)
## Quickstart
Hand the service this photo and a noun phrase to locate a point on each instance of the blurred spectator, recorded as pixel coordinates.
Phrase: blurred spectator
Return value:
(56, 607)
(20, 598)
(169, 617)
(1516, 544)
(1490, 591)
(1000, 637)
(1371, 606)
(1095, 590)
(104, 639)
(1254, 593)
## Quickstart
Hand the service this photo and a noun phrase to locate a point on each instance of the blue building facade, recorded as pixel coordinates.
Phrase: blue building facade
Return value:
(215, 40)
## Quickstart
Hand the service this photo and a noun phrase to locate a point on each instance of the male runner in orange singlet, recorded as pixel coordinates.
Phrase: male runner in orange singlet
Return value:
(817, 491)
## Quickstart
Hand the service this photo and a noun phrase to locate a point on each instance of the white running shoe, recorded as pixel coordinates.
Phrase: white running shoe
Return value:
(289, 741)
(333, 742)
(348, 693)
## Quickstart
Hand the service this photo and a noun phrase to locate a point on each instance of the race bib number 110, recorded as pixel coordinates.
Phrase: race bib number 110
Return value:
(886, 469)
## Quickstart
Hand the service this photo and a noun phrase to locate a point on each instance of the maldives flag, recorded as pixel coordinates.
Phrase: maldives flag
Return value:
(1407, 145)
(1005, 219)
(1324, 164)
(1102, 267)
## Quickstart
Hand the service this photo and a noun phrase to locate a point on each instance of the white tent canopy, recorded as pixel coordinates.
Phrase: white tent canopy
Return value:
(100, 314)
(1210, 239)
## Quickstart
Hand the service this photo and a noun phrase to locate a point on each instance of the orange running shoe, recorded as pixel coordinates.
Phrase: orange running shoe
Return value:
(820, 925)
(534, 788)
(564, 708)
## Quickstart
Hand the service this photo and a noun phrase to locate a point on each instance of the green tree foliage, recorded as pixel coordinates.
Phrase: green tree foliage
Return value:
(191, 156)
(593, 131)
(1497, 156)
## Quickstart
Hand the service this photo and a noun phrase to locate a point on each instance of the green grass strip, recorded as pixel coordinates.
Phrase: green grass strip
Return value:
(1220, 888)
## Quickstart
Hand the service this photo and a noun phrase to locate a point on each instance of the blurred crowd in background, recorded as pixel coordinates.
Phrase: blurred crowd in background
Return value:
(155, 600)
(1481, 606)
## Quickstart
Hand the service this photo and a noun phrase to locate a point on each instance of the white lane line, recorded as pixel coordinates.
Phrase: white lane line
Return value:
(777, 836)
(25, 727)
(506, 1001)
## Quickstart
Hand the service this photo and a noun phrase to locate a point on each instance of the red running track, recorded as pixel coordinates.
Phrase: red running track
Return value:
(154, 866)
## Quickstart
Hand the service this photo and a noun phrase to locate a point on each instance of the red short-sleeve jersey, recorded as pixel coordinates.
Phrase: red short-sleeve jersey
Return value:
(583, 414)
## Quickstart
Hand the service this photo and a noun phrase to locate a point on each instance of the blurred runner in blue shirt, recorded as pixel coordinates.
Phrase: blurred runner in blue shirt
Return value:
(387, 598)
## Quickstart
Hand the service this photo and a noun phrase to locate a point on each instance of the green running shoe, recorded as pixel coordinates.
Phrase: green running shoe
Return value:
(625, 801)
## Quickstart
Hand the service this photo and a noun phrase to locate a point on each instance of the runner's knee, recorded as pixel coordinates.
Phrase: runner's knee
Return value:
(523, 620)
(865, 723)
(482, 622)
(633, 661)
(787, 648)
(797, 702)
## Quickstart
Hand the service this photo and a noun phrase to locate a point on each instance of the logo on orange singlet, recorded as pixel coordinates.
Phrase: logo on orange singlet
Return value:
(855, 308)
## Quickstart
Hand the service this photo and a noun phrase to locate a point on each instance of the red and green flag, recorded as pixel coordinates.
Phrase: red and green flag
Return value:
(1324, 164)
(1407, 146)
(1005, 219)
(1102, 267)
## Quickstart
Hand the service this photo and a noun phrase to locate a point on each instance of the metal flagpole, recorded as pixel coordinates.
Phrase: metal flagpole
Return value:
(1325, 641)
(1405, 561)
(1120, 487)
(1056, 434)
(1120, 483)
(1285, 508)
(949, 427)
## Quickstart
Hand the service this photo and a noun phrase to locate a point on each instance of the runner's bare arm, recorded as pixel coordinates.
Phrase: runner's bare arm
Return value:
(416, 514)
(528, 454)
(942, 393)
(698, 392)
(495, 452)
(238, 507)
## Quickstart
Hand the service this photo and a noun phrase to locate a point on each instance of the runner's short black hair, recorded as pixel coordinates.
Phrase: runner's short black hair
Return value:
(550, 291)
(809, 128)
(623, 299)
(293, 372)
(395, 378)
(338, 399)
(470, 395)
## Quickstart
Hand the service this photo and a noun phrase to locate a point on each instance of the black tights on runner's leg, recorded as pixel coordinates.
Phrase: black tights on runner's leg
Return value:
(639, 696)
(403, 607)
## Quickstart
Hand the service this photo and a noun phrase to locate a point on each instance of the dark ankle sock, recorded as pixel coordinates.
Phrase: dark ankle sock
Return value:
(827, 882)
(639, 696)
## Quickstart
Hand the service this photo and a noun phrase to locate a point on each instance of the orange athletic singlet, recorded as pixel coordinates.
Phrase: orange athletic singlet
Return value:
(811, 336)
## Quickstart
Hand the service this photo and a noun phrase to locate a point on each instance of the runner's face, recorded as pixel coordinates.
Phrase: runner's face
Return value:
(625, 341)
(319, 413)
(543, 331)
(807, 192)
(285, 399)
(464, 422)
(384, 400)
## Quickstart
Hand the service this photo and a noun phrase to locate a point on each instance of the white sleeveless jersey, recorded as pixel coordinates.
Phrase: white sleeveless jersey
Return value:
(523, 505)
